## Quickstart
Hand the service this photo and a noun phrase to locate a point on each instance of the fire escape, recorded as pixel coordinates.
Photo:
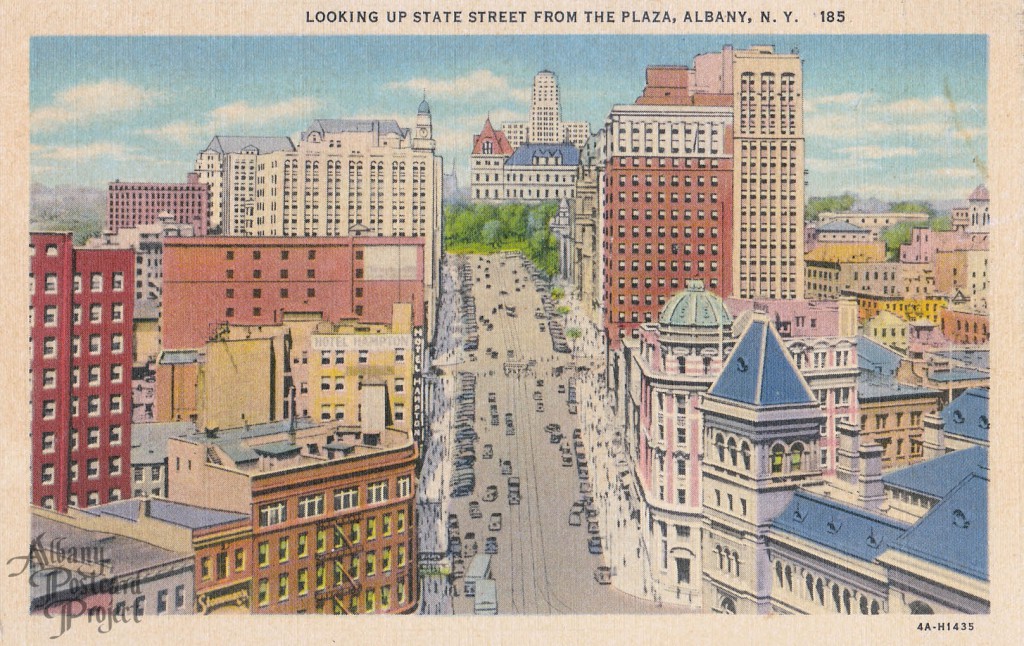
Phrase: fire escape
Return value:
(342, 580)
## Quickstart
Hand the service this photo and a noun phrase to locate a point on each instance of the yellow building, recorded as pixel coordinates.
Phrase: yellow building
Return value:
(886, 328)
(146, 333)
(344, 358)
(843, 252)
(911, 309)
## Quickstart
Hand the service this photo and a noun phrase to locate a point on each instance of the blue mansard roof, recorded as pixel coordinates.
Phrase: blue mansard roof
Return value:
(954, 534)
(760, 372)
(524, 155)
(935, 478)
(848, 530)
(967, 415)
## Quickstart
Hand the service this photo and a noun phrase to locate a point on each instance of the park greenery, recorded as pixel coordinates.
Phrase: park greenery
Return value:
(490, 228)
(893, 236)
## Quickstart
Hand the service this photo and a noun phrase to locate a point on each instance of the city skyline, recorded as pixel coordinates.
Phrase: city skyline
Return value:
(900, 117)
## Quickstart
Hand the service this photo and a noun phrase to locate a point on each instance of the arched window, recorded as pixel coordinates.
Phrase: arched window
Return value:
(778, 571)
(720, 445)
(835, 597)
(874, 607)
(821, 592)
(745, 452)
(796, 456)
(728, 606)
(789, 578)
(863, 605)
(777, 453)
(732, 450)
(921, 608)
(810, 587)
(846, 600)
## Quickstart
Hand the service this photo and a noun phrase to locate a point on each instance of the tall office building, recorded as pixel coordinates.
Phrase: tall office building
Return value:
(545, 125)
(228, 166)
(356, 177)
(81, 338)
(134, 204)
(667, 199)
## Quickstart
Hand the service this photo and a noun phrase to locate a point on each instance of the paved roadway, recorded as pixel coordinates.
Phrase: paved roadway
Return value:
(542, 565)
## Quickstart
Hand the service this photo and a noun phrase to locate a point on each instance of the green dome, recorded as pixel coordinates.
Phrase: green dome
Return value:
(695, 307)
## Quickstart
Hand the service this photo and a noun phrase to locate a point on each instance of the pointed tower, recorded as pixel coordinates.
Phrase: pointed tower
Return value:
(762, 427)
(424, 136)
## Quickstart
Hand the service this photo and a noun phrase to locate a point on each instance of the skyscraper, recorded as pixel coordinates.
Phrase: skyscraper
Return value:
(545, 125)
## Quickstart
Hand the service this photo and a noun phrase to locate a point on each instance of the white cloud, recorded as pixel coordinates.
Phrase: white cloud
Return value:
(951, 172)
(462, 87)
(848, 99)
(878, 152)
(930, 105)
(92, 101)
(104, 149)
(241, 114)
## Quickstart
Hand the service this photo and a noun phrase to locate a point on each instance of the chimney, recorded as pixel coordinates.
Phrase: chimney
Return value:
(934, 436)
(146, 507)
(848, 455)
(291, 414)
(871, 493)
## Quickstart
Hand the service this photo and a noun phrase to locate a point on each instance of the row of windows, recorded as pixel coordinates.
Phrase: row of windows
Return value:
(337, 357)
(672, 197)
(93, 374)
(92, 470)
(52, 312)
(92, 498)
(50, 282)
(95, 345)
(635, 162)
(347, 498)
(687, 214)
(94, 407)
(92, 438)
(815, 587)
(342, 539)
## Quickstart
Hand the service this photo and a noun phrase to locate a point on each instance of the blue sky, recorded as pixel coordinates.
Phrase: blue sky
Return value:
(893, 117)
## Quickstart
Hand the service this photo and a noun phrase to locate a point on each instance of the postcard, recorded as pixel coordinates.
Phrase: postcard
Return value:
(516, 322)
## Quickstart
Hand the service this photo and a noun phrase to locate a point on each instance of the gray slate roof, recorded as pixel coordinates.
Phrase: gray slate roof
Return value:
(261, 145)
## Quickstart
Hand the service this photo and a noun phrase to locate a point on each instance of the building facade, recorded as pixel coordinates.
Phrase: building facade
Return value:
(357, 178)
(487, 177)
(333, 517)
(132, 204)
(668, 371)
(81, 339)
(545, 125)
(667, 207)
(213, 281)
(585, 216)
(228, 166)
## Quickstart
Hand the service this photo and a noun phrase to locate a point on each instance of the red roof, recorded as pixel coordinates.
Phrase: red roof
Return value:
(500, 143)
(980, 193)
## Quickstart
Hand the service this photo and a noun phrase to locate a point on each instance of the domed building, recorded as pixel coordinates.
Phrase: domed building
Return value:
(670, 366)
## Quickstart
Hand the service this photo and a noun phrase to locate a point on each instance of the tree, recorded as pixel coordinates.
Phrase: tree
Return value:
(834, 204)
(562, 310)
(557, 294)
(573, 334)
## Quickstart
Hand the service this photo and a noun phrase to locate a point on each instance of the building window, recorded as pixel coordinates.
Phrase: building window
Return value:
(302, 582)
(282, 550)
(115, 466)
(264, 594)
(377, 492)
(273, 514)
(47, 474)
(96, 282)
(263, 554)
(346, 498)
(302, 546)
(311, 505)
(179, 596)
(777, 453)
(49, 409)
(116, 373)
(48, 442)
(115, 404)
(50, 284)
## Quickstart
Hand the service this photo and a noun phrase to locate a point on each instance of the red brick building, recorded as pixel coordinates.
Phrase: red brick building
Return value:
(668, 187)
(81, 321)
(333, 525)
(965, 325)
(251, 281)
(131, 204)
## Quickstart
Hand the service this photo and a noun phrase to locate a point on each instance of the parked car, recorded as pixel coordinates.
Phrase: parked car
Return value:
(488, 452)
(552, 428)
(453, 522)
(491, 493)
(575, 518)
(495, 523)
(577, 433)
(566, 460)
(592, 528)
(555, 438)
(506, 467)
(491, 545)
(603, 575)
(474, 510)
(594, 545)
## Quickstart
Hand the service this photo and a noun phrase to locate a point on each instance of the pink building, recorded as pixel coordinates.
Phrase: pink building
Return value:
(925, 244)
(132, 204)
(822, 337)
(81, 372)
